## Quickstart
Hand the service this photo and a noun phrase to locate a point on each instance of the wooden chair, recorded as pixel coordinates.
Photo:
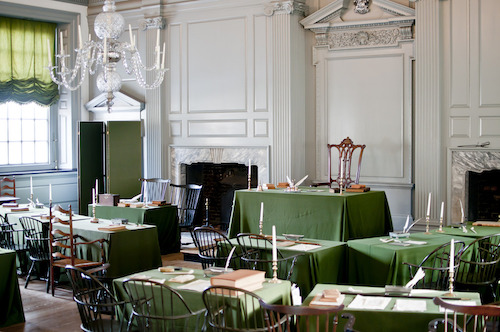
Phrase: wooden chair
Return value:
(436, 266)
(300, 318)
(186, 198)
(474, 318)
(154, 189)
(233, 309)
(346, 149)
(63, 246)
(213, 247)
(480, 271)
(13, 239)
(97, 305)
(158, 307)
(8, 186)
(256, 254)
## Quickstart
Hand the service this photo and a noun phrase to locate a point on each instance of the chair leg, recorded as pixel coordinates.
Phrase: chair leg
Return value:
(29, 274)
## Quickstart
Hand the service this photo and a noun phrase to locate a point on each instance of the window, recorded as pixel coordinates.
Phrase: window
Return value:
(25, 136)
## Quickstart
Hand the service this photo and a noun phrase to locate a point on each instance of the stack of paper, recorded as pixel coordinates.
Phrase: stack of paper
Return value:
(369, 302)
(410, 305)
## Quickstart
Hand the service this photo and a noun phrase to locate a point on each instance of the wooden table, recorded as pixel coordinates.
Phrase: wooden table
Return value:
(272, 293)
(163, 217)
(11, 306)
(389, 319)
(314, 213)
(375, 263)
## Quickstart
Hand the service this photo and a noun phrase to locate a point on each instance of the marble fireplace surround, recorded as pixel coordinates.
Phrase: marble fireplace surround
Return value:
(259, 155)
(461, 161)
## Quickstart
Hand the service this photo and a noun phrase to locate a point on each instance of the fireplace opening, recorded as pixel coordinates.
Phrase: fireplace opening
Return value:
(219, 181)
(483, 195)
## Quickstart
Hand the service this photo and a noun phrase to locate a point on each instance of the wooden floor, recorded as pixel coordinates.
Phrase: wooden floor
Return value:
(45, 313)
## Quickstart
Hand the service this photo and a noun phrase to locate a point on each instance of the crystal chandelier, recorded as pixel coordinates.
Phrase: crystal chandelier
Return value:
(104, 55)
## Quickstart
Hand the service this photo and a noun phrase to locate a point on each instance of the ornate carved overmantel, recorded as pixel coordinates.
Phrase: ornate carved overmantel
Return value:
(335, 32)
(288, 7)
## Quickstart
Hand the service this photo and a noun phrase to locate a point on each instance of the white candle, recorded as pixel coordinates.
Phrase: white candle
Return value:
(275, 252)
(79, 36)
(61, 42)
(93, 196)
(31, 185)
(130, 35)
(429, 206)
(50, 192)
(49, 56)
(342, 169)
(452, 255)
(442, 210)
(163, 57)
(96, 187)
(261, 211)
(158, 38)
(105, 55)
(462, 210)
(249, 167)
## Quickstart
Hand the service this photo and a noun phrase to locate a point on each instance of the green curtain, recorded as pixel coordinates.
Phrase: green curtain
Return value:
(24, 76)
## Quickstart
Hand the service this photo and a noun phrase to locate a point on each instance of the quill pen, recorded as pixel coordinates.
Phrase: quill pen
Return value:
(301, 180)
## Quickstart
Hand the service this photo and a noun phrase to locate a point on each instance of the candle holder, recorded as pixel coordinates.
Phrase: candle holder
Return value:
(427, 221)
(275, 279)
(440, 230)
(249, 181)
(341, 186)
(94, 219)
(32, 203)
(261, 224)
(452, 279)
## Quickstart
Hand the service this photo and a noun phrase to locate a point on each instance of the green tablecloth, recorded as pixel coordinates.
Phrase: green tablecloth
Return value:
(11, 306)
(315, 214)
(163, 217)
(272, 293)
(388, 319)
(326, 264)
(372, 262)
(480, 231)
(129, 251)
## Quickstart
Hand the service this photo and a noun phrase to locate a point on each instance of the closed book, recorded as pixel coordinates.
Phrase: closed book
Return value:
(239, 278)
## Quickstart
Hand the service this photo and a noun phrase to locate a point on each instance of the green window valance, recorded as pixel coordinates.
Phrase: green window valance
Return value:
(24, 76)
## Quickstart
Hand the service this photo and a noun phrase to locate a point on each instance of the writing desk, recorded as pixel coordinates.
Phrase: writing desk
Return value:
(272, 293)
(163, 217)
(314, 213)
(11, 306)
(326, 264)
(372, 262)
(389, 319)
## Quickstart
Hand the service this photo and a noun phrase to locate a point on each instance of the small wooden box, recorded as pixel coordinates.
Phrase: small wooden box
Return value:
(109, 199)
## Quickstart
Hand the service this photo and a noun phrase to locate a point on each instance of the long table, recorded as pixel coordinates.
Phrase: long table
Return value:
(11, 306)
(128, 251)
(272, 293)
(163, 217)
(324, 264)
(389, 319)
(315, 213)
(373, 262)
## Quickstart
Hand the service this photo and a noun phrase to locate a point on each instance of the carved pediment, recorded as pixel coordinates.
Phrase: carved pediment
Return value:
(121, 103)
(341, 25)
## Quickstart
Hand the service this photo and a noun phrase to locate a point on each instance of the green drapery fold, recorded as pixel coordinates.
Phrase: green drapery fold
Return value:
(24, 55)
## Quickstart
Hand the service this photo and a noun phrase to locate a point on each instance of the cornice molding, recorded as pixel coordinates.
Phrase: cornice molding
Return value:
(76, 2)
(286, 7)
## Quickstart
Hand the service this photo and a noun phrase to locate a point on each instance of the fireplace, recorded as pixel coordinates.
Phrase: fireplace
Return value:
(219, 181)
(463, 163)
(483, 195)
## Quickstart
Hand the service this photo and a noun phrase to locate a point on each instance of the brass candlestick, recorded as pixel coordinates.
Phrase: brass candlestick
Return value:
(275, 279)
(261, 223)
(94, 219)
(249, 181)
(440, 230)
(427, 220)
(452, 279)
(341, 185)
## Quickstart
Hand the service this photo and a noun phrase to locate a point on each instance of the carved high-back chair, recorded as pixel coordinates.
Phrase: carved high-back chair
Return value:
(346, 149)
(8, 186)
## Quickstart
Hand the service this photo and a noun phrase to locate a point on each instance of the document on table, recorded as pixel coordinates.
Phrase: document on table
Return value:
(369, 302)
(410, 305)
(198, 285)
(304, 247)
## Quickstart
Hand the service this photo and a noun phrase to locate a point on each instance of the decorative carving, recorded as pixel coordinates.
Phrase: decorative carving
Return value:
(288, 7)
(361, 6)
(153, 23)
